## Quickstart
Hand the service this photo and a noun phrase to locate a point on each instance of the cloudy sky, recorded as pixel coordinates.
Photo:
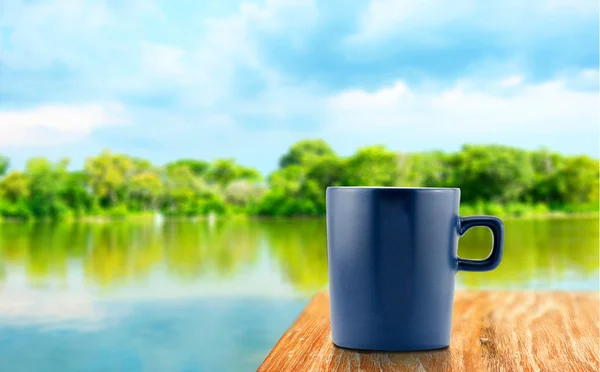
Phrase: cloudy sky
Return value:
(167, 79)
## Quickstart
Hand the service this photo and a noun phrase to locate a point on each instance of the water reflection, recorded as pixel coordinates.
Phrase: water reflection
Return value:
(300, 248)
(222, 249)
(557, 253)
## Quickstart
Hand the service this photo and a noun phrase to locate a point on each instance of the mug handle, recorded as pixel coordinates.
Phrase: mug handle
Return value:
(493, 260)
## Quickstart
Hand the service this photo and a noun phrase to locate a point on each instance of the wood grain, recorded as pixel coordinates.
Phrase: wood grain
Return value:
(491, 331)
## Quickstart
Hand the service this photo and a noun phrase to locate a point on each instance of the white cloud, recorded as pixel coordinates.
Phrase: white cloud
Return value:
(231, 47)
(220, 78)
(511, 81)
(550, 107)
(575, 6)
(383, 17)
(423, 20)
(162, 60)
(49, 31)
(587, 79)
(57, 124)
(201, 74)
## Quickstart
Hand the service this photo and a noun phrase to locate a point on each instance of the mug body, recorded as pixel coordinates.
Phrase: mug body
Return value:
(392, 262)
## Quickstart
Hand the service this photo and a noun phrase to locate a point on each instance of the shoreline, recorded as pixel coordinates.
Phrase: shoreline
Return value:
(153, 217)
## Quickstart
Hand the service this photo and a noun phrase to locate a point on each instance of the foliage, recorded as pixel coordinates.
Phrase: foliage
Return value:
(242, 193)
(107, 174)
(305, 152)
(492, 173)
(46, 185)
(224, 171)
(14, 187)
(197, 167)
(494, 179)
(433, 169)
(145, 188)
(3, 165)
(77, 194)
(373, 166)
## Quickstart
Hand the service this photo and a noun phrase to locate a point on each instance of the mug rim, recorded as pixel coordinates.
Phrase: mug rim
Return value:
(395, 188)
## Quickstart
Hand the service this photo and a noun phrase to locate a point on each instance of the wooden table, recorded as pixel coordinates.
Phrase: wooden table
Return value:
(491, 331)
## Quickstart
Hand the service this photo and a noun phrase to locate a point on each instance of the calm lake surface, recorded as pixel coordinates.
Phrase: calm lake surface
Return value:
(194, 296)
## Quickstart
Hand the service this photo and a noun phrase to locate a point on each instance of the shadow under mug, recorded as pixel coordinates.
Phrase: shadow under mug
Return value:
(392, 257)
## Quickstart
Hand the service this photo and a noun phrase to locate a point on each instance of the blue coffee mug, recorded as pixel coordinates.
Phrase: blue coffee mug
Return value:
(392, 256)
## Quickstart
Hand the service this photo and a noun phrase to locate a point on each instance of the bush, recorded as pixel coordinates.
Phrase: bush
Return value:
(494, 209)
(119, 211)
(60, 211)
(579, 208)
(519, 209)
(467, 210)
(507, 210)
(277, 204)
(213, 204)
(540, 208)
(19, 210)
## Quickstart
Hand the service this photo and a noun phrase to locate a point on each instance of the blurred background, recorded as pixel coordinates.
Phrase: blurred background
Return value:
(163, 165)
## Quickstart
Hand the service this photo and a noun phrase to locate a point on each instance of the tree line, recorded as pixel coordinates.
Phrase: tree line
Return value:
(494, 179)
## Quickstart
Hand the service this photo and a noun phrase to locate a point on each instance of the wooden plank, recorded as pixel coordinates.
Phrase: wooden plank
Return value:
(492, 331)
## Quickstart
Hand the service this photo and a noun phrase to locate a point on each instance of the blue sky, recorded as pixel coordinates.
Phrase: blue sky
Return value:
(208, 79)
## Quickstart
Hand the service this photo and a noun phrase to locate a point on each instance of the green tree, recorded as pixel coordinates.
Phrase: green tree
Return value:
(139, 165)
(545, 187)
(3, 165)
(427, 169)
(188, 195)
(305, 152)
(373, 166)
(494, 179)
(181, 189)
(145, 189)
(576, 181)
(46, 184)
(77, 193)
(286, 194)
(325, 172)
(224, 171)
(108, 175)
(493, 173)
(14, 187)
(14, 192)
(197, 167)
(242, 193)
(298, 186)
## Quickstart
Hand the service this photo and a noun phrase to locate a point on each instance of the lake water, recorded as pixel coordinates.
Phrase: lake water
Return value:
(191, 296)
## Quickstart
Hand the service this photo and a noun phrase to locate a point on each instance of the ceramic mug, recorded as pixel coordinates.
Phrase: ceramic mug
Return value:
(392, 256)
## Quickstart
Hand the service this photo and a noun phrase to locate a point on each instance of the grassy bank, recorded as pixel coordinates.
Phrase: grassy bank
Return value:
(508, 211)
(525, 210)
